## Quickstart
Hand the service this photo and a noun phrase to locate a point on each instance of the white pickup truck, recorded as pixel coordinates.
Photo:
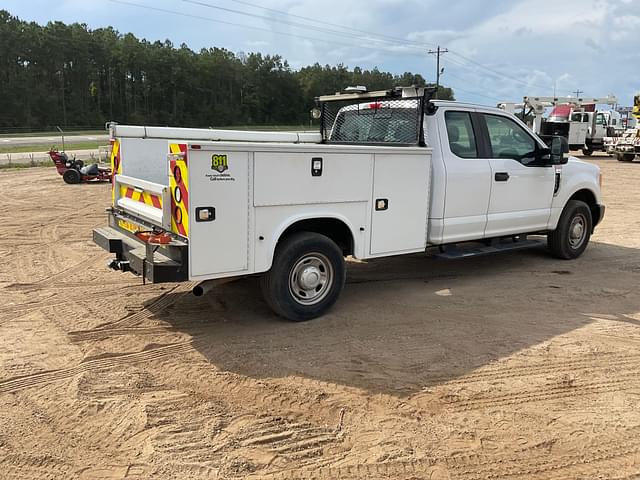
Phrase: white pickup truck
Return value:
(390, 173)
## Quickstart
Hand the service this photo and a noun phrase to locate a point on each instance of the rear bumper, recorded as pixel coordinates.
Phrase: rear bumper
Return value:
(153, 263)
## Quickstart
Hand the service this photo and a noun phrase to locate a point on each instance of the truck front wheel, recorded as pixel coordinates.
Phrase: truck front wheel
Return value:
(306, 278)
(570, 239)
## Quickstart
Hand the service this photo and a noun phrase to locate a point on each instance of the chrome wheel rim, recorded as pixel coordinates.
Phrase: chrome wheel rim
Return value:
(577, 231)
(310, 279)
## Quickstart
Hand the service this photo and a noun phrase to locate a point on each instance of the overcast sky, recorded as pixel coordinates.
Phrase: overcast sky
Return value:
(499, 49)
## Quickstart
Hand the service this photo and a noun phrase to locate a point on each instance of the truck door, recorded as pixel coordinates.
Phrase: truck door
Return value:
(468, 179)
(521, 193)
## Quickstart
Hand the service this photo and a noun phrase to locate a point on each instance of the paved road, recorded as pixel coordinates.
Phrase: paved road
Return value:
(51, 140)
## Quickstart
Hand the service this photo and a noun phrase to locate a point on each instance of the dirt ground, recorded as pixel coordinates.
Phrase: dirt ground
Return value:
(515, 366)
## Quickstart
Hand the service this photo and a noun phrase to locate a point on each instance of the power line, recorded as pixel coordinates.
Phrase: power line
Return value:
(371, 35)
(496, 72)
(285, 22)
(298, 25)
(399, 40)
(240, 25)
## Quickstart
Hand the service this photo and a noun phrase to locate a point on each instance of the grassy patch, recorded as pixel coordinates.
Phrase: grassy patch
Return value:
(45, 148)
(52, 134)
(11, 166)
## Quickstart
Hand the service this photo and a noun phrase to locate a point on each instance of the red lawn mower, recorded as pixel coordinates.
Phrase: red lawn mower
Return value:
(75, 171)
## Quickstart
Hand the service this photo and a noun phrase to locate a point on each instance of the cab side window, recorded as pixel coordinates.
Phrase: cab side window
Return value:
(462, 139)
(507, 139)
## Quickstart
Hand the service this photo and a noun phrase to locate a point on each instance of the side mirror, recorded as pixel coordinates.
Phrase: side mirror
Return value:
(558, 149)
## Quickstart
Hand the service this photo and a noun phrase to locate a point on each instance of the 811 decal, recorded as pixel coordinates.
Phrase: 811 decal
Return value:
(219, 163)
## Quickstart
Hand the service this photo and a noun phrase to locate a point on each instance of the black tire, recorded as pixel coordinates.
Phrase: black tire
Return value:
(301, 258)
(71, 176)
(627, 157)
(572, 235)
(587, 152)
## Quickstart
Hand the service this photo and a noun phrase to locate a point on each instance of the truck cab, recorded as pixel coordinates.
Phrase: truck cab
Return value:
(390, 173)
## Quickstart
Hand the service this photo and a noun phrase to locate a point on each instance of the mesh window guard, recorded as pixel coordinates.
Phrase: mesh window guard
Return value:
(373, 121)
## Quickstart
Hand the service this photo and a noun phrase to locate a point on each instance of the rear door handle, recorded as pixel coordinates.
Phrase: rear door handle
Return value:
(502, 177)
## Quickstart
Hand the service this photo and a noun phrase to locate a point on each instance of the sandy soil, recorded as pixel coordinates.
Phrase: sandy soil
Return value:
(515, 366)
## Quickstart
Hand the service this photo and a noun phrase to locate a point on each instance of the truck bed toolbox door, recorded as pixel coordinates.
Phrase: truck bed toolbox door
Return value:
(218, 211)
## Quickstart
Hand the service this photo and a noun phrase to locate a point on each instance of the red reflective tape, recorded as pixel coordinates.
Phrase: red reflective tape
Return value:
(129, 193)
(156, 201)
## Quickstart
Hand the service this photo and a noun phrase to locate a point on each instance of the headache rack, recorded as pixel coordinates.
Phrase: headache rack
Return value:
(387, 117)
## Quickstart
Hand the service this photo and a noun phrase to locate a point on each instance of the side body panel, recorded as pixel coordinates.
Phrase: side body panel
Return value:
(267, 189)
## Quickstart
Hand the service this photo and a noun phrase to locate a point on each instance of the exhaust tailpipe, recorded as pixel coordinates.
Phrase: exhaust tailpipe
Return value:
(205, 287)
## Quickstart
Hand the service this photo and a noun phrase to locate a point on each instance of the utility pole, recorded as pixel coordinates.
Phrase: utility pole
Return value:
(438, 53)
(578, 93)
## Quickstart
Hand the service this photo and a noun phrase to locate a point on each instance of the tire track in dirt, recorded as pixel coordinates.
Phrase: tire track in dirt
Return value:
(158, 305)
(526, 464)
(29, 467)
(551, 367)
(624, 382)
(278, 436)
(43, 378)
(97, 335)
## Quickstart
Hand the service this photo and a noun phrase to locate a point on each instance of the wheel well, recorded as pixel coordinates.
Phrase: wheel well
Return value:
(333, 228)
(589, 198)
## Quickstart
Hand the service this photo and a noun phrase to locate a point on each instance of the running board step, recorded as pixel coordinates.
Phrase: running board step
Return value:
(453, 253)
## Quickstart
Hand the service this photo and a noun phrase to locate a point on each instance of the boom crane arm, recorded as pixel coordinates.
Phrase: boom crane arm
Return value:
(538, 105)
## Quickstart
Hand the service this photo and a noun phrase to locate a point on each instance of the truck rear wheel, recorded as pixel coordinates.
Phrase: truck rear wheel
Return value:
(570, 239)
(306, 278)
(587, 151)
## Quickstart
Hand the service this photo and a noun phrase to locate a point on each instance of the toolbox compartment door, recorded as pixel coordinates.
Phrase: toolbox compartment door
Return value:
(400, 203)
(218, 212)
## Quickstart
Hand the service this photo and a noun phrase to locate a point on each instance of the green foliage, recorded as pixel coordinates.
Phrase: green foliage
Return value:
(70, 75)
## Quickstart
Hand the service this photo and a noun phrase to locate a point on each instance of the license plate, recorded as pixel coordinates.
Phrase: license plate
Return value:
(129, 226)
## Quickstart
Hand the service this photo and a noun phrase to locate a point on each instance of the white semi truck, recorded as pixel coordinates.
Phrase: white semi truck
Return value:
(390, 173)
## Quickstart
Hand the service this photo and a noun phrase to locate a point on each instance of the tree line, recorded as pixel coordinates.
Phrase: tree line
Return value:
(72, 76)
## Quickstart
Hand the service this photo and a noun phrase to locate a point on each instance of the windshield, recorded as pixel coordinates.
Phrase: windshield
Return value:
(377, 125)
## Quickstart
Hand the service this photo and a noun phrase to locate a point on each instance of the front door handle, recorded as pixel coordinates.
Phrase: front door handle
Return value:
(502, 177)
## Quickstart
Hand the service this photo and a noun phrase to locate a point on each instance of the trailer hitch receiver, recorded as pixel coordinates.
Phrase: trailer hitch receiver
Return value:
(119, 265)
